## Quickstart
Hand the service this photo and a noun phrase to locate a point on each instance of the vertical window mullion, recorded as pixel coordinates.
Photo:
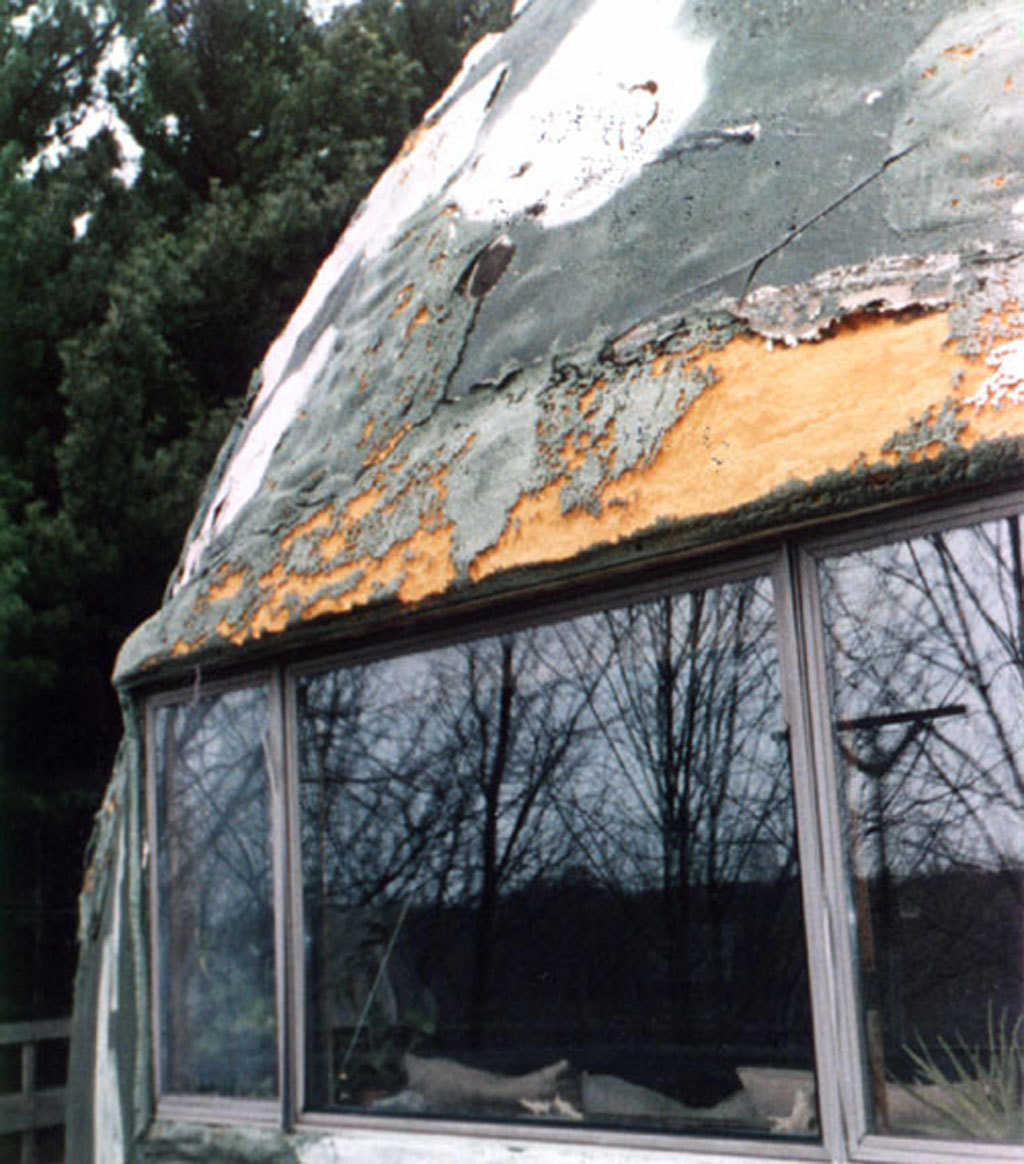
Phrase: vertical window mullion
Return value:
(814, 842)
(274, 745)
(838, 907)
(294, 946)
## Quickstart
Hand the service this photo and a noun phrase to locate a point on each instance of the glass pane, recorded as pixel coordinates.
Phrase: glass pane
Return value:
(924, 641)
(216, 897)
(553, 875)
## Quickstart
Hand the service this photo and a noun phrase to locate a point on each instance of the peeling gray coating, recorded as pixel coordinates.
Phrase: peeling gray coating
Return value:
(852, 153)
(857, 156)
(465, 464)
(109, 1096)
(939, 426)
(965, 118)
(696, 225)
(826, 132)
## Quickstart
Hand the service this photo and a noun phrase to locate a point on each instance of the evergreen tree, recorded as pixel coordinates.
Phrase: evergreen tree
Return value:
(135, 302)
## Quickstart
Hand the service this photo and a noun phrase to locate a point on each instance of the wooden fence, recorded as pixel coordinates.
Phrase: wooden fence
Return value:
(25, 1111)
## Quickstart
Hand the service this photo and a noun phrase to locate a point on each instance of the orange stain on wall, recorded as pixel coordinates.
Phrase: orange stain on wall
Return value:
(771, 416)
(228, 585)
(417, 567)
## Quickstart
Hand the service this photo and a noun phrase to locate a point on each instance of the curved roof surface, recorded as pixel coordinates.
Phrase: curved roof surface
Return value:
(690, 265)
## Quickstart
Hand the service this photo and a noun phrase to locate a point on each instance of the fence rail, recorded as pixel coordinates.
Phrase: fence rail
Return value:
(29, 1109)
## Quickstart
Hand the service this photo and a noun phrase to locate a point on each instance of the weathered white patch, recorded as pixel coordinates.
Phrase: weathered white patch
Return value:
(383, 1147)
(613, 95)
(418, 174)
(271, 417)
(749, 130)
(108, 1133)
(1006, 384)
(469, 62)
(873, 96)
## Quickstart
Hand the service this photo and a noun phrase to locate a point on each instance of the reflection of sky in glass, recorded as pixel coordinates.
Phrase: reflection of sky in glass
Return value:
(395, 754)
(924, 642)
(578, 836)
(935, 625)
(216, 896)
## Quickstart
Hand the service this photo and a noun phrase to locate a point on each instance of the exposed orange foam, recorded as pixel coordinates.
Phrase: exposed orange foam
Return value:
(417, 566)
(184, 647)
(769, 416)
(383, 451)
(319, 520)
(402, 299)
(421, 565)
(417, 321)
(589, 398)
(229, 584)
(772, 416)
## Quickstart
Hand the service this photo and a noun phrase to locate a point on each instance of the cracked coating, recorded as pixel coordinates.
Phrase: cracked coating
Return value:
(815, 273)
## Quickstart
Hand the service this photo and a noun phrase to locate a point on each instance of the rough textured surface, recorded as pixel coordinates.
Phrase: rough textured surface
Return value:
(109, 1082)
(650, 276)
(640, 265)
(180, 1143)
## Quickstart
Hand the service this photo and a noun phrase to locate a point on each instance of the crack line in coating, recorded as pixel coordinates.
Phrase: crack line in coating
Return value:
(797, 231)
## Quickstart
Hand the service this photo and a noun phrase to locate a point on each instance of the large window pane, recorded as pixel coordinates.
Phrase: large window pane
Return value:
(924, 641)
(554, 874)
(216, 897)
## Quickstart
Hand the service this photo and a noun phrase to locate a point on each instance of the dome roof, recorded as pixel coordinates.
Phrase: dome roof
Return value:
(693, 270)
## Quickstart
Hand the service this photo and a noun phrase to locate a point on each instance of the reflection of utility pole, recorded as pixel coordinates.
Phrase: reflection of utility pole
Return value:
(881, 961)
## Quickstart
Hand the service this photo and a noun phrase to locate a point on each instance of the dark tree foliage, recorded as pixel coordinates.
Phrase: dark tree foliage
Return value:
(137, 295)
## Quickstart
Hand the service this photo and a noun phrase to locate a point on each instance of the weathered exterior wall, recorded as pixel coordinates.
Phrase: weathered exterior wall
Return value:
(108, 1074)
(602, 292)
(685, 269)
(694, 422)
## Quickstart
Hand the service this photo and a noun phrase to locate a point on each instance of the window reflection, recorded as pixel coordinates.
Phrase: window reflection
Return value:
(216, 899)
(925, 641)
(553, 874)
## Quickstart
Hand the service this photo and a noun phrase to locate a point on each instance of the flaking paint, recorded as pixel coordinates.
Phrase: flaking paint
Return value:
(871, 392)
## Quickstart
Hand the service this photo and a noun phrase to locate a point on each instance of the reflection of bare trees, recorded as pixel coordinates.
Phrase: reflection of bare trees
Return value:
(926, 645)
(689, 709)
(216, 890)
(517, 719)
(441, 786)
(601, 806)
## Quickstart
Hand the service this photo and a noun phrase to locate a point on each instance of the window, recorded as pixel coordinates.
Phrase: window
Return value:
(925, 647)
(735, 858)
(555, 872)
(215, 944)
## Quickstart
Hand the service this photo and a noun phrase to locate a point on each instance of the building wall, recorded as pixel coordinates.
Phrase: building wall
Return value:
(650, 279)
